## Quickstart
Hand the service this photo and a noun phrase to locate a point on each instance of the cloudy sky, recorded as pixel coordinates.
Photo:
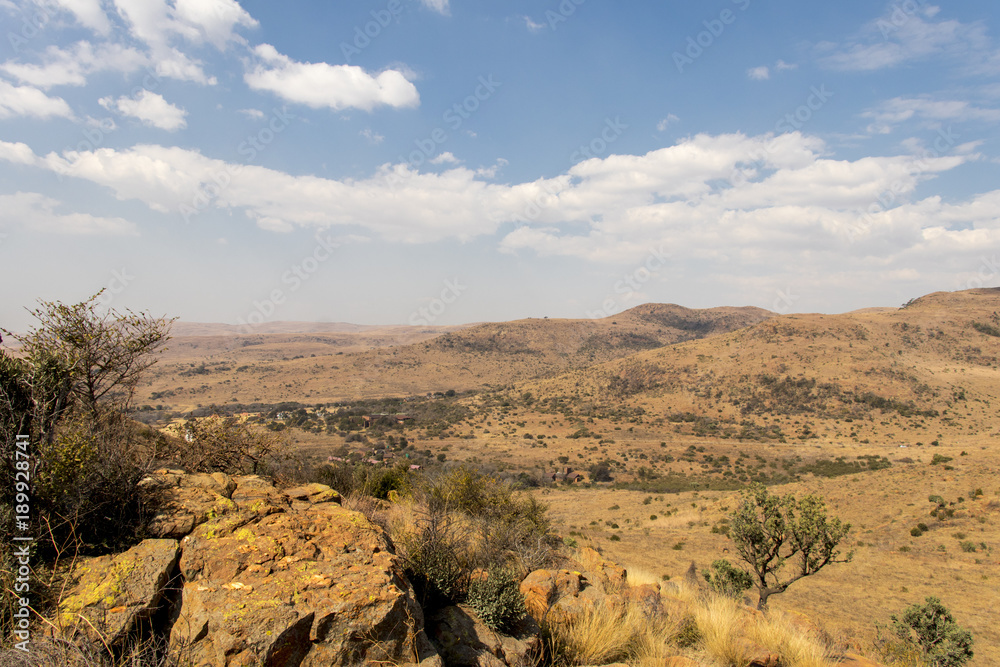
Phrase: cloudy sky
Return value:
(448, 161)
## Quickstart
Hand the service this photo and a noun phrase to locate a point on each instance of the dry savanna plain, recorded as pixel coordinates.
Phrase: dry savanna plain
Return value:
(638, 430)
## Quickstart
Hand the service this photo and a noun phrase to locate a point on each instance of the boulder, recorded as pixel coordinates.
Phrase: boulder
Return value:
(558, 595)
(271, 585)
(312, 494)
(113, 595)
(186, 501)
(464, 640)
(605, 573)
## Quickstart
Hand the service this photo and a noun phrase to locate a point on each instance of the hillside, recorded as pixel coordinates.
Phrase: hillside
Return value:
(322, 367)
(905, 374)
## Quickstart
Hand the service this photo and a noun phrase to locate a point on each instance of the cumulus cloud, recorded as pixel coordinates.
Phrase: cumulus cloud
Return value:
(150, 108)
(445, 158)
(761, 73)
(319, 85)
(717, 197)
(39, 213)
(89, 14)
(29, 101)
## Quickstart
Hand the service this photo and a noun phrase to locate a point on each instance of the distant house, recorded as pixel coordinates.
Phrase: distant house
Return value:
(566, 475)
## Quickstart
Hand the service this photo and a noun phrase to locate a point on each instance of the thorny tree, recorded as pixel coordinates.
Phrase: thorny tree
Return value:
(783, 539)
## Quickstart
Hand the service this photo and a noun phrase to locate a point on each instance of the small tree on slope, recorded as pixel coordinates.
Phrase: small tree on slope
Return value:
(783, 539)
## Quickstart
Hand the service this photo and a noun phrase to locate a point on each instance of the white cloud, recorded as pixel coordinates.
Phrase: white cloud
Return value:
(903, 36)
(38, 213)
(600, 208)
(445, 157)
(929, 111)
(666, 122)
(255, 114)
(439, 6)
(29, 101)
(320, 85)
(198, 21)
(531, 25)
(759, 73)
(150, 108)
(89, 14)
(781, 66)
(373, 137)
(72, 65)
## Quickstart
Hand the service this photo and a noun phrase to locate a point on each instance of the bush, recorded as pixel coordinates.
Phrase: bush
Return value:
(436, 562)
(727, 580)
(932, 629)
(497, 599)
(221, 444)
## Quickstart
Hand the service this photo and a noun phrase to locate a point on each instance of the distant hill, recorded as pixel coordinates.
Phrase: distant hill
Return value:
(893, 372)
(221, 366)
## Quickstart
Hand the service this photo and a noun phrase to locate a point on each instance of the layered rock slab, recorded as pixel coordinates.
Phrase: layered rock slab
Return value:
(316, 586)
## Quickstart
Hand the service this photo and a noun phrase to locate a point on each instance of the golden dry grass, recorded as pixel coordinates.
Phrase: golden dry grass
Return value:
(724, 633)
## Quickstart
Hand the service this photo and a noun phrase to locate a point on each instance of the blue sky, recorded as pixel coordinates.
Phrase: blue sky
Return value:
(448, 161)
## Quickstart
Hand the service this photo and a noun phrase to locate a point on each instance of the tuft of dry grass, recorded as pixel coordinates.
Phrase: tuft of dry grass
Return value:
(601, 635)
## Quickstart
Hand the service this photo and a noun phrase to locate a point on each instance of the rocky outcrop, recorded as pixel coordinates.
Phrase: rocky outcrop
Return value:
(314, 587)
(465, 641)
(115, 594)
(265, 577)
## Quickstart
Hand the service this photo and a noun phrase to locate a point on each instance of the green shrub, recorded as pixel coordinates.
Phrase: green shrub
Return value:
(916, 531)
(497, 599)
(727, 580)
(938, 458)
(968, 547)
(932, 629)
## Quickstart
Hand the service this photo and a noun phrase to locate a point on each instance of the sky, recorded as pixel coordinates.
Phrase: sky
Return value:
(450, 161)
